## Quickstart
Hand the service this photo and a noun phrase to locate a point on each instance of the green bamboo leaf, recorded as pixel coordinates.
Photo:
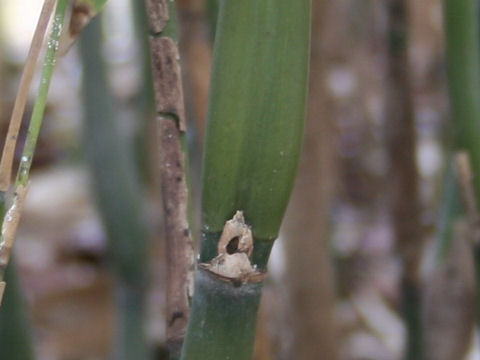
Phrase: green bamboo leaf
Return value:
(36, 119)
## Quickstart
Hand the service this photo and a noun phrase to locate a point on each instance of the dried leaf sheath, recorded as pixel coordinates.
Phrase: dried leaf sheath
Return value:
(168, 79)
(171, 119)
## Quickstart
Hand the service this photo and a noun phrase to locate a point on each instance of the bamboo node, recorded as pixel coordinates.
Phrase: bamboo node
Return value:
(236, 237)
(235, 248)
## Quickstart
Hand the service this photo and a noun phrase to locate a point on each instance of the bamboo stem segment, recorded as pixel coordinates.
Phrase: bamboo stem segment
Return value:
(223, 303)
(41, 101)
(254, 134)
(255, 118)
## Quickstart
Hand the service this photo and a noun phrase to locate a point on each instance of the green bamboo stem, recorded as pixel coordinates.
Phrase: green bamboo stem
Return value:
(41, 100)
(256, 118)
(230, 316)
(254, 134)
(463, 71)
(118, 197)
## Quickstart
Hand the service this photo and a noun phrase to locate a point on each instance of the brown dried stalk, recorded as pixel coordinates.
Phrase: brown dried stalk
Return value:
(171, 119)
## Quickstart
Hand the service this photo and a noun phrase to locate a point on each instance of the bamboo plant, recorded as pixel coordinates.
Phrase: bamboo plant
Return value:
(254, 135)
(463, 71)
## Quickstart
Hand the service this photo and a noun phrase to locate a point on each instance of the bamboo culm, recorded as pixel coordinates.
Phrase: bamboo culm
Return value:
(254, 135)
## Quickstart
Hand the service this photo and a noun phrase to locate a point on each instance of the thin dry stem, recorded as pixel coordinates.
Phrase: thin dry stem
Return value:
(170, 107)
(21, 99)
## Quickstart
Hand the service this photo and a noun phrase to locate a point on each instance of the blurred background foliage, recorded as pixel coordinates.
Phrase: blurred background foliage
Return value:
(334, 290)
